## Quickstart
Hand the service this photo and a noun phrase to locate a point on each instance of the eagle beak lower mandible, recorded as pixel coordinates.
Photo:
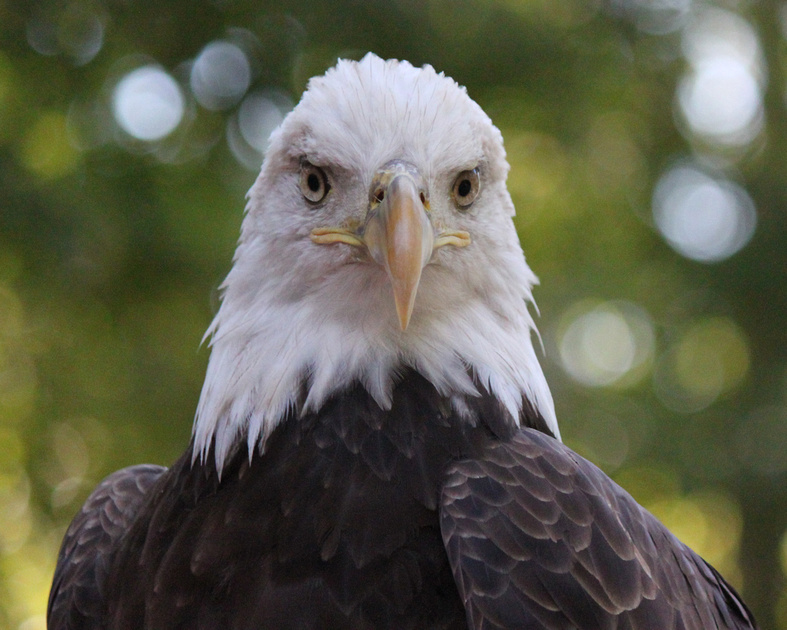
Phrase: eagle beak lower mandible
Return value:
(399, 234)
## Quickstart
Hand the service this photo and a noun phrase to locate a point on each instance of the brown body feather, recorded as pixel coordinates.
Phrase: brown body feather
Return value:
(356, 517)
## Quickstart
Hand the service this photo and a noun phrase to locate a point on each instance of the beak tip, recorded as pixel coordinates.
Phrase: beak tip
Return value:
(404, 317)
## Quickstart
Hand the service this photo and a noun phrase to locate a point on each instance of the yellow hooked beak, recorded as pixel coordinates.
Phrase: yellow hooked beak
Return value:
(397, 233)
(399, 237)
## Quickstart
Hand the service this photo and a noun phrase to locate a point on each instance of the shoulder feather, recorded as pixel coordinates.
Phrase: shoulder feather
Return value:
(538, 535)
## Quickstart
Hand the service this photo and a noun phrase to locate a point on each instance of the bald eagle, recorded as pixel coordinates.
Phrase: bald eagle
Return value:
(375, 445)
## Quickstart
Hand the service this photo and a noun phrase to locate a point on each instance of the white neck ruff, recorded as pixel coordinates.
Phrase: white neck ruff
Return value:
(264, 354)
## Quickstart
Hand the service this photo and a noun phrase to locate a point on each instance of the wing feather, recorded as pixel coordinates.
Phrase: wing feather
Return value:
(76, 598)
(537, 535)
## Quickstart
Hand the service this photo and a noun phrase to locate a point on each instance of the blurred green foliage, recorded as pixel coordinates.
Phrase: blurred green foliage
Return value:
(112, 248)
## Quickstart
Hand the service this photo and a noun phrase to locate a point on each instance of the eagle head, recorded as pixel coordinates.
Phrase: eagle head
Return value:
(378, 237)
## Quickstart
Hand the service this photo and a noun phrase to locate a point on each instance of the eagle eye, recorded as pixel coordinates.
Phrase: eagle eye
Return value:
(314, 183)
(466, 188)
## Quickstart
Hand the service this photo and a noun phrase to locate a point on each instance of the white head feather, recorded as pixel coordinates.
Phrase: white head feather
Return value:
(298, 315)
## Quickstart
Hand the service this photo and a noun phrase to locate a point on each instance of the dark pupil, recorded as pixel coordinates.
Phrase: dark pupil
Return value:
(313, 182)
(464, 188)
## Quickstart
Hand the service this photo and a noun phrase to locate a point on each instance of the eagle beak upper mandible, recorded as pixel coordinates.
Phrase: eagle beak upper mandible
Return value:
(397, 232)
(399, 235)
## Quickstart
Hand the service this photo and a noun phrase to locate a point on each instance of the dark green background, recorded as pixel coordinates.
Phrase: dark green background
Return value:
(111, 251)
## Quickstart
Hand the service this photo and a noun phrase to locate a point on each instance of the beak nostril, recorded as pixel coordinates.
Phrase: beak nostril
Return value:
(423, 198)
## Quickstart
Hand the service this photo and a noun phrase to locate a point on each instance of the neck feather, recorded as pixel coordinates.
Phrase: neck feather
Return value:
(274, 362)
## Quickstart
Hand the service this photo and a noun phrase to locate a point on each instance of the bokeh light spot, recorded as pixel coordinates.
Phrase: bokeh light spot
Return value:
(80, 33)
(66, 492)
(70, 450)
(46, 150)
(76, 30)
(220, 76)
(601, 343)
(41, 34)
(684, 518)
(701, 217)
(722, 99)
(248, 131)
(147, 103)
(708, 522)
(36, 622)
(708, 360)
(258, 116)
(15, 517)
(721, 95)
